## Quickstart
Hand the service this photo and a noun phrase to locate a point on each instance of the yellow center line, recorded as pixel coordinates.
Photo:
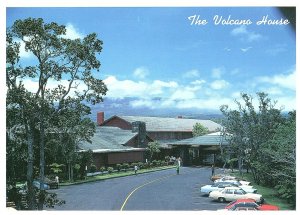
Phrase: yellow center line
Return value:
(150, 182)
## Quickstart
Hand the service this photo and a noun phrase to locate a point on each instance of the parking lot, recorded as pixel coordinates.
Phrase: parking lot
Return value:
(161, 190)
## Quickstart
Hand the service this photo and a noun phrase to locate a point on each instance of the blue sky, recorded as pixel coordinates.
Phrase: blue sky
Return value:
(159, 59)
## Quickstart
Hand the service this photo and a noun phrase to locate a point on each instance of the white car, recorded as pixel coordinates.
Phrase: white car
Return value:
(233, 193)
(226, 179)
(221, 185)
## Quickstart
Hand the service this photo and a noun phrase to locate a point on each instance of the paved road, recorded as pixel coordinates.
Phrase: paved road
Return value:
(161, 190)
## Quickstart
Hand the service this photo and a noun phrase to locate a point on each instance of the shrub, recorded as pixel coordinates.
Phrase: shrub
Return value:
(102, 169)
(119, 167)
(110, 169)
(125, 166)
(93, 168)
(147, 165)
(154, 163)
(133, 164)
(76, 171)
(140, 165)
(164, 163)
(167, 159)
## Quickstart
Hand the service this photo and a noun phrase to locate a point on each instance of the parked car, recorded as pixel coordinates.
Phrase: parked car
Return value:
(247, 188)
(218, 176)
(48, 184)
(37, 184)
(228, 179)
(206, 189)
(221, 185)
(249, 204)
(234, 193)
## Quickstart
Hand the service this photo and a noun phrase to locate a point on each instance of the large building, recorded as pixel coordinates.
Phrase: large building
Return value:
(124, 138)
(112, 145)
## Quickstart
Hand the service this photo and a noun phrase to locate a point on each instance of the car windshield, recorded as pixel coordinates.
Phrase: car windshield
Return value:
(231, 203)
(237, 183)
(241, 191)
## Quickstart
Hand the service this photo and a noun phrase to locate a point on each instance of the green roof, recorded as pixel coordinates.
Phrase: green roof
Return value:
(109, 139)
(213, 139)
(171, 124)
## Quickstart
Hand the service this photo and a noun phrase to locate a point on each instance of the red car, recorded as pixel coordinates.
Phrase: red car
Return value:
(250, 204)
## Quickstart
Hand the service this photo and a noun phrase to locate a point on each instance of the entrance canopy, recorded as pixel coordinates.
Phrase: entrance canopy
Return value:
(213, 139)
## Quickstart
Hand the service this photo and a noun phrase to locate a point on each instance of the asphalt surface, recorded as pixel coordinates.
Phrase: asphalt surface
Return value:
(161, 190)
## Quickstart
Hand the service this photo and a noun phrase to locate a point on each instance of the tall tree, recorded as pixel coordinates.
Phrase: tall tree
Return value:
(57, 60)
(199, 130)
(266, 140)
(153, 147)
(251, 127)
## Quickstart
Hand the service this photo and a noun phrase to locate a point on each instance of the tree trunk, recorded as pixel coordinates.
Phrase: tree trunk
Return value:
(30, 195)
(72, 172)
(240, 165)
(42, 164)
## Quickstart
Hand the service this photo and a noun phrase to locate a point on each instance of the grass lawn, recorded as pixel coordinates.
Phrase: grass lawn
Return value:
(115, 175)
(268, 193)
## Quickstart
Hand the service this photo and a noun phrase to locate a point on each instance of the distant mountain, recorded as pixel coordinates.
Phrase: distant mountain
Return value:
(112, 107)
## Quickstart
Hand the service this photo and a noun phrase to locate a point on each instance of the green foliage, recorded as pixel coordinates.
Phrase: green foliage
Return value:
(264, 140)
(102, 169)
(56, 168)
(199, 130)
(51, 121)
(119, 166)
(133, 164)
(110, 169)
(141, 165)
(93, 168)
(125, 166)
(153, 147)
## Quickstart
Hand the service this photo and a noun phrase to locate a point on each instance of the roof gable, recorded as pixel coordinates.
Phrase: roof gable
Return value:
(107, 137)
(171, 124)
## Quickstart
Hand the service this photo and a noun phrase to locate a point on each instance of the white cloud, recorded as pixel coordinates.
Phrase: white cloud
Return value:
(194, 73)
(272, 90)
(198, 82)
(72, 32)
(252, 36)
(128, 88)
(282, 80)
(140, 72)
(23, 53)
(227, 49)
(219, 84)
(183, 94)
(239, 30)
(216, 73)
(246, 49)
(32, 85)
(143, 103)
(245, 34)
(288, 103)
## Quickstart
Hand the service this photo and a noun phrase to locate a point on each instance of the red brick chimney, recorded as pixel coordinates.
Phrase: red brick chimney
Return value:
(100, 118)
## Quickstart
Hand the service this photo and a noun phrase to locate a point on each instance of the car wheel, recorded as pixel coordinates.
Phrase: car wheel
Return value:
(221, 199)
(262, 200)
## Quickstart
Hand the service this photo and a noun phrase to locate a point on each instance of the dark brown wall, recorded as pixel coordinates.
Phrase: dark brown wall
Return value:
(128, 157)
(106, 159)
(133, 142)
(99, 160)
